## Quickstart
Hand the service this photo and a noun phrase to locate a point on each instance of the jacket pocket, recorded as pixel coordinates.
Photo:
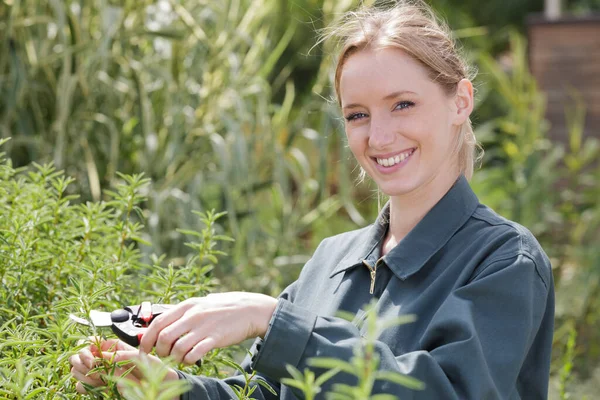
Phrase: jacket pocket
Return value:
(359, 320)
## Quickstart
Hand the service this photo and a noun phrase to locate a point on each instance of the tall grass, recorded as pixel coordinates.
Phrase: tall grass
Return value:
(181, 91)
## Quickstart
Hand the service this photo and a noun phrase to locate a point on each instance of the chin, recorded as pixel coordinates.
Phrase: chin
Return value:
(392, 189)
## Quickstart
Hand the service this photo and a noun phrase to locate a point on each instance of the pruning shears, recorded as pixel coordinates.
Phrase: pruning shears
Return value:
(128, 323)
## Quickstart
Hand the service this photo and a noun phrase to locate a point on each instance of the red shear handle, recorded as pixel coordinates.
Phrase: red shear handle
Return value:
(145, 313)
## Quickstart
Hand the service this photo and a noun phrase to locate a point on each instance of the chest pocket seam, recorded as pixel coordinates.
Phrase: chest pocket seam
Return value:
(359, 320)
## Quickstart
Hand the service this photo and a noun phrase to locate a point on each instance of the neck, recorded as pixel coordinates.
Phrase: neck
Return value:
(408, 209)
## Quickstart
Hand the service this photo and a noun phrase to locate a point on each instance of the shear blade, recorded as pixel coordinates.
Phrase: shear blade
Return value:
(81, 321)
(99, 318)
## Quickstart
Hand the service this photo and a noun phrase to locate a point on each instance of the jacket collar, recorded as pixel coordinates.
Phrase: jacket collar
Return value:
(421, 243)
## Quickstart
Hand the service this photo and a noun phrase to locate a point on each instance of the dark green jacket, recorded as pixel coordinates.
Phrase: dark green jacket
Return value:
(480, 286)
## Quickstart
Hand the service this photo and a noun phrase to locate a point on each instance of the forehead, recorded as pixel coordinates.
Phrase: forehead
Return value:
(382, 71)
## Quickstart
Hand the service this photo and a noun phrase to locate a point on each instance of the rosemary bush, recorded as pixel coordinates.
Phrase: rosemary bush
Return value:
(58, 256)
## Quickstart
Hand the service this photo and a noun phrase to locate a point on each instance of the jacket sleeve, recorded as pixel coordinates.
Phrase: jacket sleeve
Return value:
(473, 347)
(205, 388)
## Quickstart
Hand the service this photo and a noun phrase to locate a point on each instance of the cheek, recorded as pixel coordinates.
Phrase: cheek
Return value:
(356, 141)
(431, 133)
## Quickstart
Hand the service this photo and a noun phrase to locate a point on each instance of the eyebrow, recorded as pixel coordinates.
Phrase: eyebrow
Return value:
(388, 97)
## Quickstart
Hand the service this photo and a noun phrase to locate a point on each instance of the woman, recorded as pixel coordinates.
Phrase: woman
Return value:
(480, 285)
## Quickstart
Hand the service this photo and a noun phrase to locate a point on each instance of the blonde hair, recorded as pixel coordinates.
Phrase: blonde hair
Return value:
(412, 27)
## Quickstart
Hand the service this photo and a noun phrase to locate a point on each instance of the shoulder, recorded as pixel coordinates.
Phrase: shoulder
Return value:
(346, 240)
(340, 248)
(508, 240)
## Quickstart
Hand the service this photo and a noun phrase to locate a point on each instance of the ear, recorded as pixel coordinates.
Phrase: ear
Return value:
(463, 100)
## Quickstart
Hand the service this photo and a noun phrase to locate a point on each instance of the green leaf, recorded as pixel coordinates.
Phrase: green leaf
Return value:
(332, 363)
(400, 379)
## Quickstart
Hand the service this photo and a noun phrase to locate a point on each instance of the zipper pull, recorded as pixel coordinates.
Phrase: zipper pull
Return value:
(373, 276)
(373, 271)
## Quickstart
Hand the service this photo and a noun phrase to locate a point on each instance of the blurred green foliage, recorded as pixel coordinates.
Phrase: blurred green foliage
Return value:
(225, 105)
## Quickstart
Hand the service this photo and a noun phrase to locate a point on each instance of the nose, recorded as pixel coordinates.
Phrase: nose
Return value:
(380, 134)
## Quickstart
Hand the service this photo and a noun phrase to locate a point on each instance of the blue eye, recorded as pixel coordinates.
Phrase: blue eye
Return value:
(360, 115)
(355, 116)
(403, 104)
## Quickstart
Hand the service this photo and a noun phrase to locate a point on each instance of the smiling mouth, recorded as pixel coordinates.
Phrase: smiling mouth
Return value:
(398, 158)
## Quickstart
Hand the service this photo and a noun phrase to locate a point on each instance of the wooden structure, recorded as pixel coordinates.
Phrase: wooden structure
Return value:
(564, 56)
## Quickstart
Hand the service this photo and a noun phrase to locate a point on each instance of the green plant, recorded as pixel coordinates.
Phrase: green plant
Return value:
(58, 256)
(567, 364)
(246, 391)
(181, 91)
(363, 365)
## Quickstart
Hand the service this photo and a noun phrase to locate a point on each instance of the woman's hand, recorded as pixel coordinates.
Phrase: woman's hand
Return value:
(115, 351)
(195, 326)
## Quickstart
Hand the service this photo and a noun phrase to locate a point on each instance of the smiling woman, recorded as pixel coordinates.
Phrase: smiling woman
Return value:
(402, 127)
(480, 285)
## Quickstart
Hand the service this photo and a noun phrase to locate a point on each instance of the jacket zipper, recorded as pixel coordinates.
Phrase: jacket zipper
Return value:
(373, 271)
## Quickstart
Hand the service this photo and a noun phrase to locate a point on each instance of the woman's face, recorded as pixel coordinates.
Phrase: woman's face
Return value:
(401, 126)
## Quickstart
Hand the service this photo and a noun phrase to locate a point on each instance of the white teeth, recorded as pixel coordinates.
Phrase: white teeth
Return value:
(388, 162)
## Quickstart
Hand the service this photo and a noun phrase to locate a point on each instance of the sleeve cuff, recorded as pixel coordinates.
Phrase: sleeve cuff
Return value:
(184, 376)
(285, 340)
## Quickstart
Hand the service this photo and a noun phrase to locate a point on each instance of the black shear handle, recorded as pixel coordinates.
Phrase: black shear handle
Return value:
(128, 333)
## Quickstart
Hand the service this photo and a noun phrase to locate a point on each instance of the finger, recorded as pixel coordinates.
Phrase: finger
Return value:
(170, 335)
(200, 350)
(86, 357)
(74, 359)
(161, 322)
(79, 387)
(89, 379)
(78, 364)
(121, 379)
(82, 366)
(185, 344)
